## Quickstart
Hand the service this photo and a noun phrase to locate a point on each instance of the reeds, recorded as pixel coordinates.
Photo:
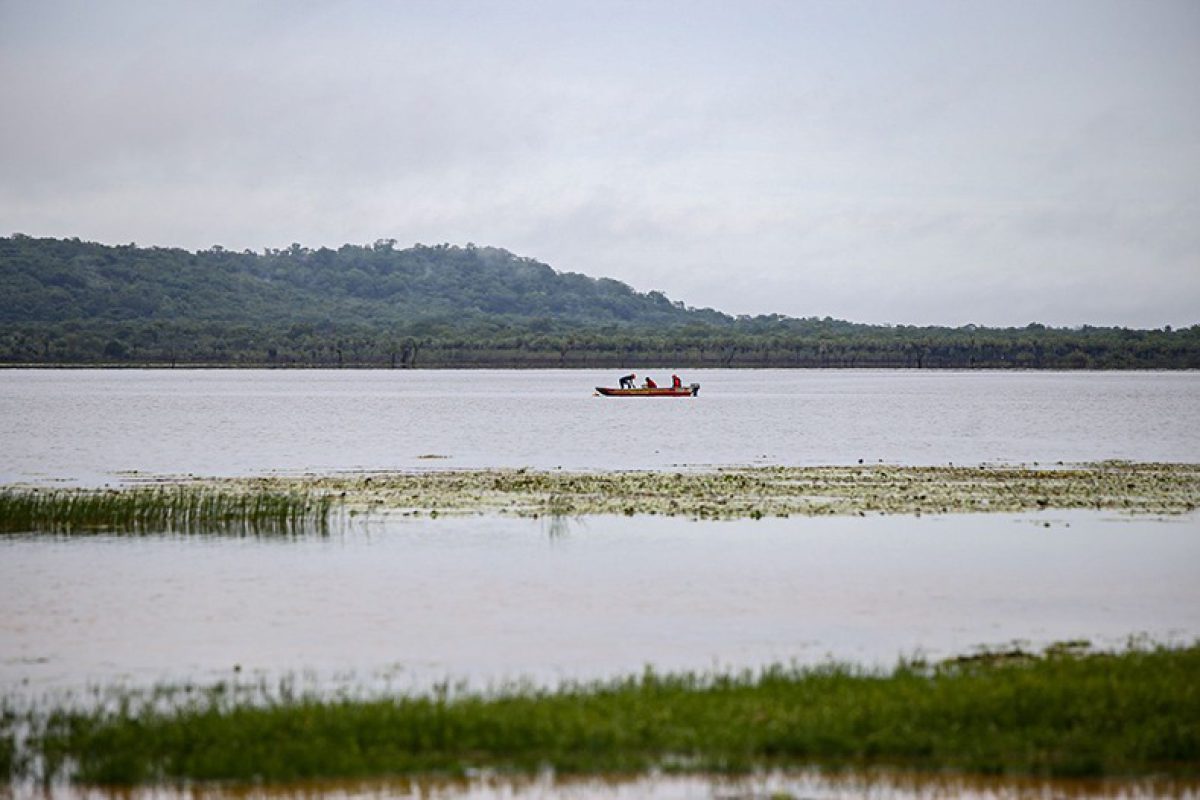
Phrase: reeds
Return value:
(1060, 714)
(284, 502)
(176, 509)
(9, 765)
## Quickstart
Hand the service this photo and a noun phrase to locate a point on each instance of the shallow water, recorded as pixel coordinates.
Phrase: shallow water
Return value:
(399, 604)
(393, 604)
(89, 425)
(810, 785)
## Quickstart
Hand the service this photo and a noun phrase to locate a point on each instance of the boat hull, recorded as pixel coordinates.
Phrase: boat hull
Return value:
(683, 391)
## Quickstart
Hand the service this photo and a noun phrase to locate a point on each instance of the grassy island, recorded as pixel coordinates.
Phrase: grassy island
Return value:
(1061, 713)
(279, 504)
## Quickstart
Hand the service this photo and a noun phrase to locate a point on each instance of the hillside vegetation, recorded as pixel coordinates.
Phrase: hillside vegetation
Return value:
(64, 301)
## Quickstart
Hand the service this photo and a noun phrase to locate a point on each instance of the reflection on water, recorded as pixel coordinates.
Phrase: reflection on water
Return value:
(396, 605)
(810, 785)
(88, 425)
(393, 605)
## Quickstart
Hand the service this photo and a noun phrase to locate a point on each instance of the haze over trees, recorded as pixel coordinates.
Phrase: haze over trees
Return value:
(64, 301)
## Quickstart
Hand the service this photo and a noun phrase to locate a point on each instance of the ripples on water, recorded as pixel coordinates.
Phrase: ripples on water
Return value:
(88, 425)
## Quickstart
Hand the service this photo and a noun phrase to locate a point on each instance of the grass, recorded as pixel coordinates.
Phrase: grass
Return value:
(283, 504)
(9, 764)
(177, 509)
(1062, 713)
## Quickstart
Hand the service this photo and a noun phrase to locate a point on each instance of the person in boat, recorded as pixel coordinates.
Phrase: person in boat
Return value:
(676, 383)
(650, 384)
(627, 381)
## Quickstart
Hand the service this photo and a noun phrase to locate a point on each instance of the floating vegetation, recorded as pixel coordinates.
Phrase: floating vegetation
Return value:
(184, 509)
(284, 504)
(1060, 713)
(757, 492)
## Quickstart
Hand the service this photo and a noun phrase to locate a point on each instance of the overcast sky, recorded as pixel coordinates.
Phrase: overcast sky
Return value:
(994, 162)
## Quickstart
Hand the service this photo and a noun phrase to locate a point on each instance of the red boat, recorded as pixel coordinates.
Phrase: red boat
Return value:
(662, 391)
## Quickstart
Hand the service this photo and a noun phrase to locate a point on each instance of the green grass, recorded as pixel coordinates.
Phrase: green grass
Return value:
(178, 509)
(1060, 714)
(9, 764)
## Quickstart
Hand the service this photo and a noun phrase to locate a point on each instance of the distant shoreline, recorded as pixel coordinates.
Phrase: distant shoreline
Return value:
(154, 365)
(66, 302)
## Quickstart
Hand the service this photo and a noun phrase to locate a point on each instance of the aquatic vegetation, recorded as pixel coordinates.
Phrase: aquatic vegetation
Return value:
(757, 492)
(276, 504)
(175, 509)
(8, 743)
(1058, 713)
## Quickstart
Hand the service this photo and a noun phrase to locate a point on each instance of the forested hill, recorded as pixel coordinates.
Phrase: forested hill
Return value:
(51, 280)
(72, 302)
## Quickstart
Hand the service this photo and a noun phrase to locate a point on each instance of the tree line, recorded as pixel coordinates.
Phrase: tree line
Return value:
(63, 301)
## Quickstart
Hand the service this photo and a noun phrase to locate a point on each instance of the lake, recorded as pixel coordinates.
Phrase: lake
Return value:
(404, 603)
(489, 598)
(391, 604)
(88, 426)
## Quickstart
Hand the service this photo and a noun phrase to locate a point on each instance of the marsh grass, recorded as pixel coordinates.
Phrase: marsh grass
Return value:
(1058, 714)
(9, 765)
(175, 509)
(284, 504)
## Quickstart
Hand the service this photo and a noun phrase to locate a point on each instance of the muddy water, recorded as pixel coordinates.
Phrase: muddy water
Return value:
(90, 425)
(399, 604)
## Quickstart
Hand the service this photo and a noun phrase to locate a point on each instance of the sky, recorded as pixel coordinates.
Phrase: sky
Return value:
(995, 162)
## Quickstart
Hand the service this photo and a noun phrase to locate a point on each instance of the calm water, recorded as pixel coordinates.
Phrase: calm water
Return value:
(403, 603)
(397, 604)
(89, 425)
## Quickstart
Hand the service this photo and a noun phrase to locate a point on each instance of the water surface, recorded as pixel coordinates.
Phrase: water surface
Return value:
(403, 603)
(397, 605)
(90, 425)
(809, 784)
